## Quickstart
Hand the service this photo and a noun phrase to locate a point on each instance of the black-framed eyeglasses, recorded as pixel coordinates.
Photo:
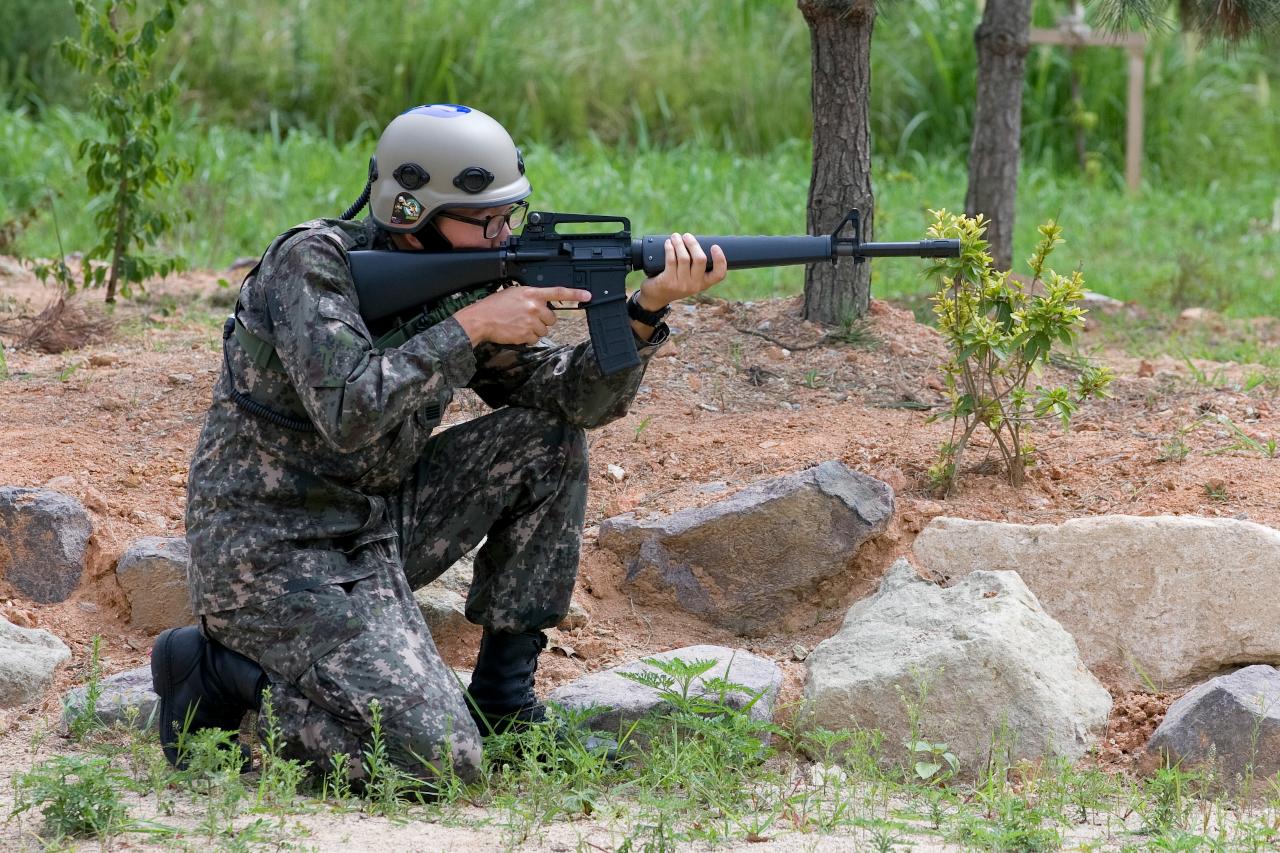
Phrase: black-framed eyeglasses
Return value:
(492, 224)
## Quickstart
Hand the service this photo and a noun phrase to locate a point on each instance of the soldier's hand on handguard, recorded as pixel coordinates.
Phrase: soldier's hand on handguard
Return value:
(685, 273)
(515, 315)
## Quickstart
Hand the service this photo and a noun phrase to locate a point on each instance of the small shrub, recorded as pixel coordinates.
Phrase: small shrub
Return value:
(999, 334)
(125, 164)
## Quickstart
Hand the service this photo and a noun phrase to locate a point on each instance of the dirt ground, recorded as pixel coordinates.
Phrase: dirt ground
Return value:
(741, 393)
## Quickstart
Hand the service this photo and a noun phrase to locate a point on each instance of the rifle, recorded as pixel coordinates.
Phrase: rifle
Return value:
(406, 292)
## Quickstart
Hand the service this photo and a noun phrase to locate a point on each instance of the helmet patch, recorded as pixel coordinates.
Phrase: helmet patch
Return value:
(473, 179)
(406, 211)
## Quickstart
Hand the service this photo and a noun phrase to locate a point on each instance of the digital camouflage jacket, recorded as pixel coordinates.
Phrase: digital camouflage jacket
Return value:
(272, 510)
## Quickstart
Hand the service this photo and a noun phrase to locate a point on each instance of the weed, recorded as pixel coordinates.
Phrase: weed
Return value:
(1215, 490)
(856, 332)
(4, 364)
(280, 777)
(1175, 449)
(68, 370)
(735, 354)
(811, 378)
(1244, 441)
(86, 718)
(642, 426)
(78, 796)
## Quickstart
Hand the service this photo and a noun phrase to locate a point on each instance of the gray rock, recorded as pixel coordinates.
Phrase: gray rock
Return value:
(755, 563)
(153, 574)
(43, 540)
(28, 658)
(124, 696)
(622, 700)
(443, 603)
(1229, 726)
(992, 659)
(1166, 601)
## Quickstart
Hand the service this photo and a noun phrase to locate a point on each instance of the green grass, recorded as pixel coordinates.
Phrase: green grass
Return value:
(700, 772)
(733, 74)
(1164, 247)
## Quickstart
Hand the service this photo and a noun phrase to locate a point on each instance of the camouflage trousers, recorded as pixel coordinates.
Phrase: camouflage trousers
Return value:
(517, 476)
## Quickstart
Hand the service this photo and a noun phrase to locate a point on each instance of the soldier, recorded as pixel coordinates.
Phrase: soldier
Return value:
(321, 495)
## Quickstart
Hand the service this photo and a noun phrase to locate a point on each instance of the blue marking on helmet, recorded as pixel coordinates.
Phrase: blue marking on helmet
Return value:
(438, 110)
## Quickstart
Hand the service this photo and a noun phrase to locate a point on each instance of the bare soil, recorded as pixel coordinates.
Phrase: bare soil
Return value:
(743, 392)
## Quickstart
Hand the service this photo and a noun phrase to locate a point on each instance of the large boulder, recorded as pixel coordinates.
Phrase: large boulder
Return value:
(28, 658)
(44, 537)
(153, 574)
(621, 700)
(124, 697)
(761, 561)
(1153, 602)
(1229, 726)
(987, 659)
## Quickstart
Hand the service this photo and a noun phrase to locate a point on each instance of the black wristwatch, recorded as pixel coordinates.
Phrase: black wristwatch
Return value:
(638, 313)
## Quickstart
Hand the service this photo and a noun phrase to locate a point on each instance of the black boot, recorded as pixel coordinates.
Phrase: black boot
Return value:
(218, 685)
(502, 685)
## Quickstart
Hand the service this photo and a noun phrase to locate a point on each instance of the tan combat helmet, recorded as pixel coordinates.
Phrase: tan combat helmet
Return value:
(442, 155)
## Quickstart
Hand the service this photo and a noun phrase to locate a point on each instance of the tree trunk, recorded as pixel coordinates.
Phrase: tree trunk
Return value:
(1003, 39)
(840, 33)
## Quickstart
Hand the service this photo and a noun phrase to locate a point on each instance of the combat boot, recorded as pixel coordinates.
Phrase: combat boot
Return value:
(501, 689)
(501, 692)
(201, 677)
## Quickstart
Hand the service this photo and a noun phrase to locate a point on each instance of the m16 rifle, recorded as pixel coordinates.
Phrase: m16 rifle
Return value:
(406, 292)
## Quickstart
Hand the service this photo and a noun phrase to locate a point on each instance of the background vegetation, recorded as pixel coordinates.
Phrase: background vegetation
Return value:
(680, 114)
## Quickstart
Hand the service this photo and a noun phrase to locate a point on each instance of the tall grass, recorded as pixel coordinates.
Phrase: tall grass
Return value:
(1217, 247)
(733, 74)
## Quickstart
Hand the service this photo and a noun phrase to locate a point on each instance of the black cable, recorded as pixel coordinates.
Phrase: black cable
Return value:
(358, 204)
(249, 404)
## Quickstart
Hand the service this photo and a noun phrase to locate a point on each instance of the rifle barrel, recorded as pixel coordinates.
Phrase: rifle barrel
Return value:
(749, 252)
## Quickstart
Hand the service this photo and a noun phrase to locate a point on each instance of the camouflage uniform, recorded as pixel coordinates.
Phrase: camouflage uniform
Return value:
(306, 546)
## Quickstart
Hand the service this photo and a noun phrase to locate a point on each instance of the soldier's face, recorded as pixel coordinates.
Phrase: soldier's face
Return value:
(469, 235)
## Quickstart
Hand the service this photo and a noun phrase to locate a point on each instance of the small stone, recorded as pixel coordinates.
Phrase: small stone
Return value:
(765, 445)
(180, 378)
(177, 480)
(615, 473)
(88, 607)
(65, 483)
(103, 359)
(93, 500)
(1146, 369)
(799, 652)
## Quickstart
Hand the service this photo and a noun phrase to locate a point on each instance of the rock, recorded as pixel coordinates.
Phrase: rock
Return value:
(623, 701)
(119, 694)
(1229, 725)
(1154, 602)
(615, 473)
(180, 378)
(44, 536)
(28, 657)
(755, 562)
(993, 661)
(153, 574)
(443, 603)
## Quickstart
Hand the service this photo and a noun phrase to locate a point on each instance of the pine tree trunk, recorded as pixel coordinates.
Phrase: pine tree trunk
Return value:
(840, 34)
(1003, 39)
